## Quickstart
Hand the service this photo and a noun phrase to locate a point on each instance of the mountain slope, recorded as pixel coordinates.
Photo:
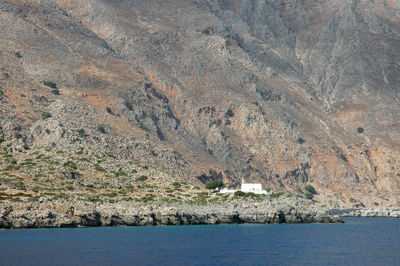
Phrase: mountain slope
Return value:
(285, 93)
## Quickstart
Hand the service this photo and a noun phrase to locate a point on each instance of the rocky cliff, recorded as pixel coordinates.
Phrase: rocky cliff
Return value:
(281, 92)
(45, 214)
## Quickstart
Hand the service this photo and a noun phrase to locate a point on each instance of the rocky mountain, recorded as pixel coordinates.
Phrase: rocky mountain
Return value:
(282, 92)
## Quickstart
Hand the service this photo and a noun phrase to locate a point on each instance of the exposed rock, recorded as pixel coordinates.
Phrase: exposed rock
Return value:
(376, 212)
(86, 214)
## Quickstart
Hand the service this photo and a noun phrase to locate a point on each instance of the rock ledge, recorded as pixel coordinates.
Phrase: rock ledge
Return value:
(79, 213)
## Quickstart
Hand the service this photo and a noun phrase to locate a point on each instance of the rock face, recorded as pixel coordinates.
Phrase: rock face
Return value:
(61, 214)
(281, 92)
(374, 212)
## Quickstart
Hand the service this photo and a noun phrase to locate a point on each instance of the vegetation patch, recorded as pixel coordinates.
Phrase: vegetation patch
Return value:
(142, 178)
(101, 128)
(45, 115)
(214, 184)
(50, 84)
(276, 195)
(309, 195)
(99, 168)
(71, 164)
(310, 189)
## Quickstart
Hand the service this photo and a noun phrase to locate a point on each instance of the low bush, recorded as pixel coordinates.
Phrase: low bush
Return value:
(101, 129)
(18, 135)
(108, 109)
(310, 189)
(214, 184)
(46, 115)
(71, 164)
(239, 194)
(229, 113)
(50, 84)
(309, 195)
(81, 132)
(176, 184)
(20, 186)
(99, 168)
(142, 178)
(276, 195)
(120, 173)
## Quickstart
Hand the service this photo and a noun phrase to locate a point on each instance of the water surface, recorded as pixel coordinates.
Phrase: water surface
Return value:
(361, 241)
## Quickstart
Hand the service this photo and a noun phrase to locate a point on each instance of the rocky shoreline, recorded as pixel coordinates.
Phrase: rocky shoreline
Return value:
(374, 212)
(56, 214)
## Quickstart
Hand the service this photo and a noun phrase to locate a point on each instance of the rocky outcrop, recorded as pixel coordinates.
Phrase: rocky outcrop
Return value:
(139, 214)
(369, 212)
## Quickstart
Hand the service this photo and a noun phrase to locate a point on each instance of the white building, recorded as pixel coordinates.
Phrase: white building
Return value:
(226, 190)
(255, 188)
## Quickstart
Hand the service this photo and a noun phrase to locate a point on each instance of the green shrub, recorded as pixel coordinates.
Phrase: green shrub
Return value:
(148, 197)
(80, 150)
(50, 84)
(176, 184)
(214, 184)
(46, 115)
(309, 195)
(101, 129)
(229, 113)
(18, 135)
(47, 131)
(20, 186)
(55, 92)
(121, 173)
(81, 132)
(18, 55)
(276, 195)
(99, 168)
(2, 140)
(108, 109)
(239, 194)
(310, 189)
(142, 178)
(71, 164)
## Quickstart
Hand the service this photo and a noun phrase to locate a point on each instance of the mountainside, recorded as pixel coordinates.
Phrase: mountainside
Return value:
(281, 92)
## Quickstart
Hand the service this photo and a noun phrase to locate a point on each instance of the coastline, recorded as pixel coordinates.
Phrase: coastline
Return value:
(57, 214)
(373, 212)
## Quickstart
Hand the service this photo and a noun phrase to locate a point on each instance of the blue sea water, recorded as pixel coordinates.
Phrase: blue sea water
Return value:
(360, 241)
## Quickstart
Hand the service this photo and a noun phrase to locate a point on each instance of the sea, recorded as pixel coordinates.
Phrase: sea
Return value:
(360, 241)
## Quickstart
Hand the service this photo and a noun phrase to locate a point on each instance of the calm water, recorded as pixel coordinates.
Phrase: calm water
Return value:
(358, 242)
